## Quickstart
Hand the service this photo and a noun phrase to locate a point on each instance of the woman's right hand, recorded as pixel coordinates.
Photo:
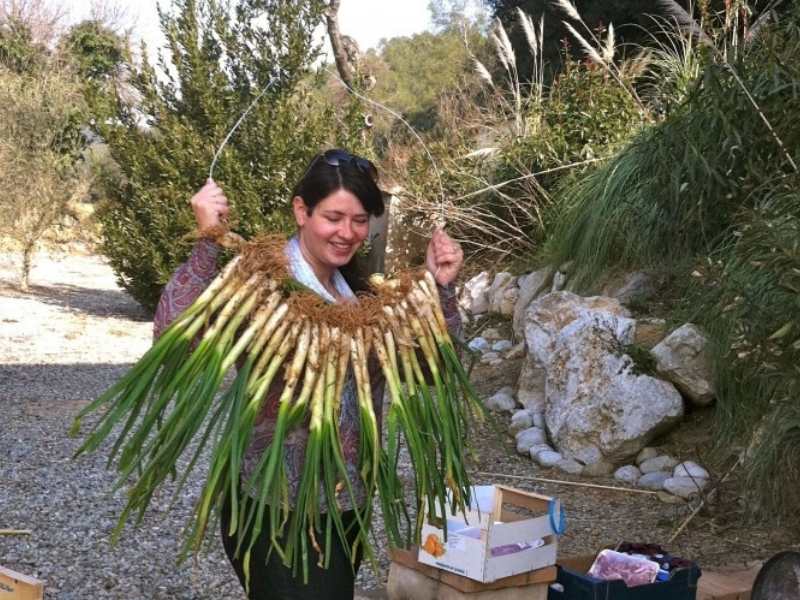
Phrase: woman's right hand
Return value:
(210, 206)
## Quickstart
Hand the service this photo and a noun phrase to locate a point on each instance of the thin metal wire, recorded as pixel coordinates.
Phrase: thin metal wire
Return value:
(412, 130)
(270, 83)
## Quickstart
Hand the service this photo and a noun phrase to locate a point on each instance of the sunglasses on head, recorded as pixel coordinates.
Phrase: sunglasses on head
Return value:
(336, 158)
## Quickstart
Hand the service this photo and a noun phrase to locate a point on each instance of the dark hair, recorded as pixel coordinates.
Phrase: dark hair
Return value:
(334, 170)
(326, 175)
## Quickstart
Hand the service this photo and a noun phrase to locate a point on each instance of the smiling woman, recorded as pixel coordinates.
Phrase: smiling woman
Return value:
(332, 205)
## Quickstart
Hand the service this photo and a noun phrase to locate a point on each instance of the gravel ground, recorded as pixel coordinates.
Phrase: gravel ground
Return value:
(75, 332)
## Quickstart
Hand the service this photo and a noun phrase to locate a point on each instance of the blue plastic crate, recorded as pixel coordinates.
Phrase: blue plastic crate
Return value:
(682, 585)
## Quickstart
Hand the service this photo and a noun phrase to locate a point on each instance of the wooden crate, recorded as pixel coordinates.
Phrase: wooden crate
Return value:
(16, 586)
(531, 585)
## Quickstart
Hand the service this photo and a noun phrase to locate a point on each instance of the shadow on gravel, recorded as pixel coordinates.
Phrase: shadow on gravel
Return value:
(57, 384)
(90, 301)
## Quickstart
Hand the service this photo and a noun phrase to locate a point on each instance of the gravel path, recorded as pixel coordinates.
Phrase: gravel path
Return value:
(75, 333)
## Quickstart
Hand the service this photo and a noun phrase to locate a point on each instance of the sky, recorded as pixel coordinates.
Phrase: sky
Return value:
(367, 21)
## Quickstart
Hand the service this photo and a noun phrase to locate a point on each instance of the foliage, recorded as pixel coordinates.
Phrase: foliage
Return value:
(501, 151)
(19, 51)
(39, 144)
(220, 61)
(99, 56)
(411, 73)
(747, 295)
(715, 184)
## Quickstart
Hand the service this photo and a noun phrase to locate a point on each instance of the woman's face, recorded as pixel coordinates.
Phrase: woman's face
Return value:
(335, 229)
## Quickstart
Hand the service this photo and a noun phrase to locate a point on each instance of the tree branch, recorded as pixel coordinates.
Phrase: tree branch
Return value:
(342, 65)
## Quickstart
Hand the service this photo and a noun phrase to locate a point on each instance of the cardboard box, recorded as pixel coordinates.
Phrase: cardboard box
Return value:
(505, 532)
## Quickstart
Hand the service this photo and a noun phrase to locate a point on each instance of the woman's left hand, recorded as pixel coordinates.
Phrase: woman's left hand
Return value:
(443, 257)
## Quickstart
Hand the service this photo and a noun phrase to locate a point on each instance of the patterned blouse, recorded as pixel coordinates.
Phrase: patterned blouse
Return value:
(189, 281)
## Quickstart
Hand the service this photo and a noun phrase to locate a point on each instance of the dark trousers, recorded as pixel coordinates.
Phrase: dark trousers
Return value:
(270, 579)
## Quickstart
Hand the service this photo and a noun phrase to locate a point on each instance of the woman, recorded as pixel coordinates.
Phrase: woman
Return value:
(332, 205)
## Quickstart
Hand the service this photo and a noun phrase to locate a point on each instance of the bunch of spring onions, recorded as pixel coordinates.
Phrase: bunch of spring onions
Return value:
(254, 317)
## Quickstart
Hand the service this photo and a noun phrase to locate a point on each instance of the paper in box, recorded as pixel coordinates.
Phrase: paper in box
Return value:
(504, 532)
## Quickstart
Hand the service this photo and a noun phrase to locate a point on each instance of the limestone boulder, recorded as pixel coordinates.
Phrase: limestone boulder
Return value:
(543, 321)
(684, 359)
(597, 408)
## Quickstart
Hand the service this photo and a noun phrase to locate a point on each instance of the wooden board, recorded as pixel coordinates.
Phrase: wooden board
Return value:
(16, 586)
(408, 558)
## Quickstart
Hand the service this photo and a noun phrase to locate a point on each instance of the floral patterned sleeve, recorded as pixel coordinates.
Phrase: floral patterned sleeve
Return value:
(449, 300)
(186, 284)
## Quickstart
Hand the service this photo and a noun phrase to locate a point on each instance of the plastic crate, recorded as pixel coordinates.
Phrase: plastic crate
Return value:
(682, 585)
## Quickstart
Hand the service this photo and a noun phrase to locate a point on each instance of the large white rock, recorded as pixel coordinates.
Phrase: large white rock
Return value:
(683, 358)
(530, 287)
(685, 487)
(527, 438)
(475, 298)
(544, 319)
(501, 282)
(596, 407)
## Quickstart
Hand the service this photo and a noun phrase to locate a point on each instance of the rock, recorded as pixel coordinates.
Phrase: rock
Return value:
(649, 332)
(537, 448)
(669, 498)
(596, 407)
(685, 487)
(645, 454)
(478, 344)
(653, 481)
(501, 282)
(569, 465)
(658, 463)
(683, 358)
(690, 469)
(502, 346)
(548, 458)
(502, 400)
(538, 419)
(522, 419)
(560, 277)
(530, 287)
(598, 469)
(527, 438)
(491, 357)
(636, 287)
(516, 352)
(475, 298)
(543, 320)
(507, 301)
(628, 474)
